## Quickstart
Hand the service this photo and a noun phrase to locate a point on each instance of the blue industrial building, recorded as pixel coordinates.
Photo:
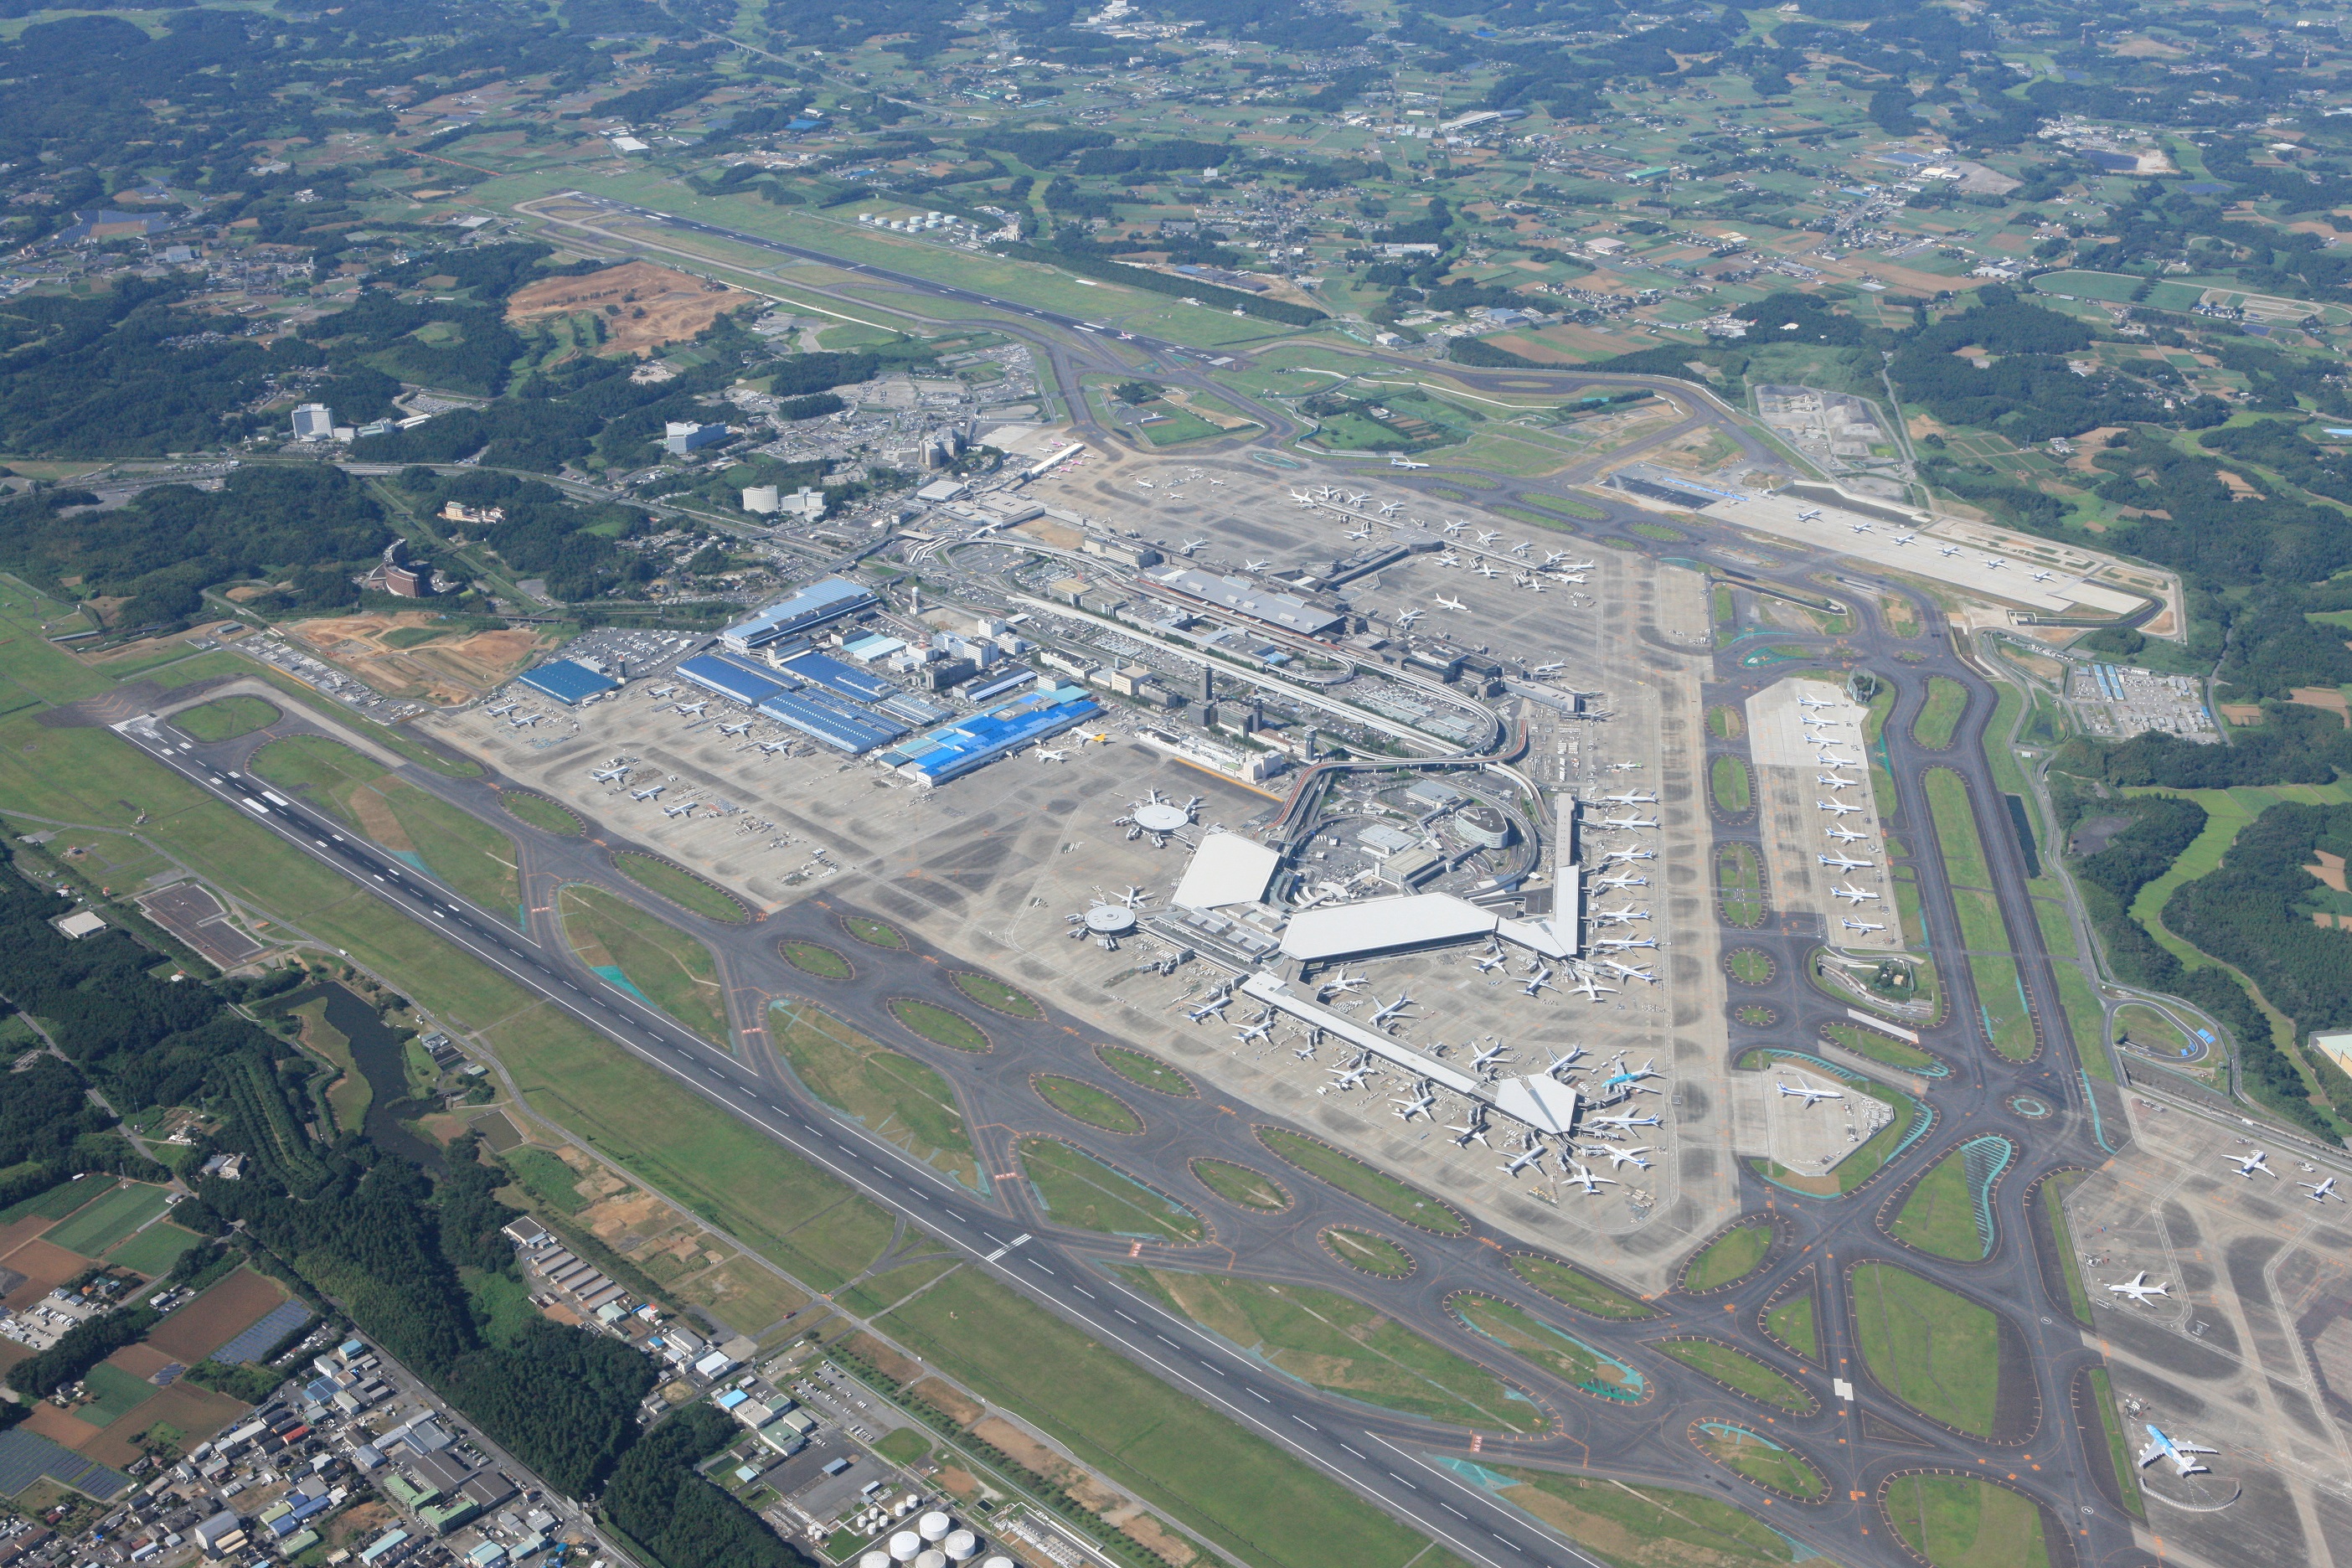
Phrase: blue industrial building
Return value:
(569, 681)
(837, 676)
(825, 600)
(735, 681)
(832, 723)
(954, 750)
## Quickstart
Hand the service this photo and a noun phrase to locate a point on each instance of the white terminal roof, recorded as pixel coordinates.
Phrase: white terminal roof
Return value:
(1227, 869)
(1270, 990)
(1244, 597)
(1543, 1103)
(1414, 919)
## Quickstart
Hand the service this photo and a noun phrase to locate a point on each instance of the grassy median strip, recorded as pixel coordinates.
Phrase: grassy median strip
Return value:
(1148, 1071)
(1940, 714)
(2001, 994)
(1577, 1288)
(1563, 1355)
(227, 718)
(1084, 1102)
(1077, 1190)
(1959, 1521)
(682, 888)
(1734, 1255)
(656, 962)
(1738, 1370)
(1793, 1324)
(1759, 1459)
(1352, 1176)
(1937, 1351)
(1241, 1186)
(1940, 1214)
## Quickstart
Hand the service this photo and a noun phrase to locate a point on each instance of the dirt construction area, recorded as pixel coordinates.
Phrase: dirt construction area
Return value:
(643, 306)
(408, 654)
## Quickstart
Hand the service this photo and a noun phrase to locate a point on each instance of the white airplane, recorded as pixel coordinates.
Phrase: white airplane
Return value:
(1844, 835)
(1399, 460)
(1358, 499)
(659, 692)
(1619, 916)
(1483, 570)
(1846, 863)
(1356, 533)
(1623, 943)
(1393, 1009)
(1469, 1133)
(502, 712)
(1862, 927)
(1531, 1155)
(1447, 558)
(1190, 545)
(607, 776)
(1539, 980)
(1593, 990)
(1489, 535)
(2257, 1161)
(1628, 821)
(1390, 508)
(1620, 1156)
(685, 808)
(647, 794)
(1830, 760)
(1854, 896)
(2321, 1192)
(1452, 527)
(1831, 783)
(1212, 1007)
(1147, 484)
(1582, 1174)
(1421, 1103)
(1408, 617)
(1045, 756)
(1950, 549)
(1445, 604)
(2044, 576)
(1860, 528)
(1818, 702)
(2139, 1290)
(1540, 671)
(1624, 1123)
(693, 710)
(1623, 880)
(1521, 548)
(1497, 1052)
(1521, 579)
(1631, 797)
(1806, 514)
(1255, 565)
(1628, 972)
(1904, 539)
(1491, 962)
(1351, 1077)
(1839, 806)
(1808, 1093)
(1995, 563)
(1343, 984)
(1561, 1062)
(1322, 492)
(734, 729)
(1301, 497)
(2179, 1453)
(1257, 1031)
(772, 747)
(525, 723)
(1629, 855)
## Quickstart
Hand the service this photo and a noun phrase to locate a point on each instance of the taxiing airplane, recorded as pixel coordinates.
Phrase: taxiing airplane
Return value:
(1808, 1093)
(2179, 1455)
(1846, 863)
(1399, 460)
(2257, 1161)
(2138, 1288)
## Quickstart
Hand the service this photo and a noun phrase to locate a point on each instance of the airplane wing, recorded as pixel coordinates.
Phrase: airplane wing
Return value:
(2150, 1454)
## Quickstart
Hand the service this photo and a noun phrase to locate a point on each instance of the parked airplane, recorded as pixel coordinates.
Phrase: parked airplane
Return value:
(1628, 820)
(1808, 1093)
(1390, 508)
(734, 729)
(1619, 1157)
(607, 776)
(1839, 806)
(1468, 1134)
(1486, 570)
(1399, 460)
(1854, 896)
(1405, 620)
(1830, 760)
(1356, 533)
(1995, 563)
(1582, 1174)
(1817, 702)
(693, 710)
(1351, 1077)
(1448, 558)
(1190, 545)
(1492, 1054)
(1257, 1031)
(1631, 797)
(1539, 980)
(1593, 990)
(1623, 1124)
(2257, 1161)
(2044, 576)
(1301, 497)
(1489, 535)
(1628, 972)
(772, 747)
(1540, 671)
(659, 692)
(1861, 927)
(1831, 783)
(1531, 1155)
(1563, 1061)
(1491, 962)
(1622, 943)
(1619, 916)
(2323, 1192)
(1628, 855)
(1344, 984)
(2179, 1455)
(1045, 756)
(1807, 513)
(1860, 528)
(1950, 549)
(2139, 1290)
(1255, 565)
(1213, 1007)
(525, 723)
(1844, 835)
(1629, 1078)
(1445, 604)
(1421, 1103)
(1623, 880)
(1393, 1009)
(1846, 863)
(502, 712)
(647, 794)
(1452, 527)
(685, 808)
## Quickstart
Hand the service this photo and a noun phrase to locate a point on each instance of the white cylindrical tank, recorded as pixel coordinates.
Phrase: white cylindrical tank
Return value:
(962, 1545)
(935, 1525)
(998, 1562)
(933, 1558)
(874, 1560)
(904, 1545)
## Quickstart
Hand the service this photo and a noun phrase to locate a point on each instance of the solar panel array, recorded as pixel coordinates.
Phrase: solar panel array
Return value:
(27, 1457)
(257, 1340)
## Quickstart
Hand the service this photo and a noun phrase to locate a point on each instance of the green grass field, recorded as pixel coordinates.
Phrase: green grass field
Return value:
(227, 718)
(96, 1226)
(1336, 1343)
(1077, 1190)
(940, 1026)
(1733, 788)
(1084, 1102)
(1937, 1353)
(1146, 1071)
(894, 1096)
(1759, 1459)
(473, 858)
(1959, 1521)
(811, 958)
(116, 1393)
(1940, 1214)
(2053, 1205)
(1940, 714)
(1240, 1490)
(1352, 1176)
(1734, 1255)
(546, 1178)
(1574, 1288)
(872, 932)
(1564, 1355)
(1737, 1369)
(1643, 1527)
(661, 963)
(152, 1251)
(1725, 723)
(1879, 1048)
(1241, 1186)
(1740, 885)
(1749, 965)
(2119, 1445)
(682, 888)
(542, 813)
(1370, 1254)
(2007, 1024)
(997, 996)
(58, 1201)
(1793, 1324)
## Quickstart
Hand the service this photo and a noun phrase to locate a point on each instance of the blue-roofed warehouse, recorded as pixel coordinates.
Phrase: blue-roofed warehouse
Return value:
(826, 599)
(953, 750)
(835, 675)
(736, 682)
(569, 681)
(835, 723)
